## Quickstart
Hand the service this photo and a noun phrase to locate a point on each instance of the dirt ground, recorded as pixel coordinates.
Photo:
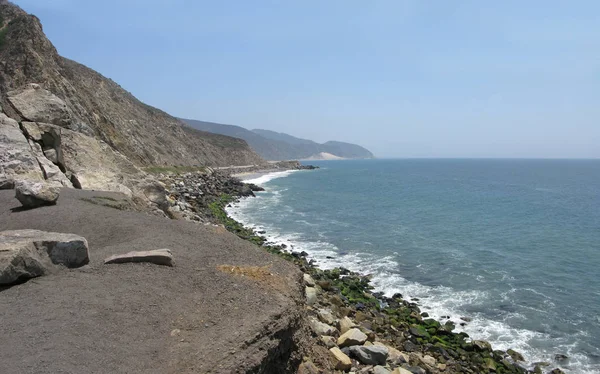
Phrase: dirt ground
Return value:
(143, 318)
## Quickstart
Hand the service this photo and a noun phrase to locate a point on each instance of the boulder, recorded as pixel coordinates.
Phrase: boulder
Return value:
(401, 370)
(36, 194)
(340, 360)
(326, 316)
(311, 295)
(308, 280)
(16, 159)
(429, 361)
(345, 324)
(482, 345)
(156, 256)
(26, 254)
(36, 104)
(369, 355)
(352, 337)
(320, 328)
(329, 341)
(489, 364)
(380, 370)
(516, 356)
(19, 263)
(394, 355)
(307, 368)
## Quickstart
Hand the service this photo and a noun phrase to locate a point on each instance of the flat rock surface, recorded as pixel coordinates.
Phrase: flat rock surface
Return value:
(156, 256)
(120, 319)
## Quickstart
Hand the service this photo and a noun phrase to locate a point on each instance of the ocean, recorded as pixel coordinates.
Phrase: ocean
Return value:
(511, 245)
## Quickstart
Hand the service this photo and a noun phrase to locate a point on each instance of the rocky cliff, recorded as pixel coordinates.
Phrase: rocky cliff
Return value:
(96, 106)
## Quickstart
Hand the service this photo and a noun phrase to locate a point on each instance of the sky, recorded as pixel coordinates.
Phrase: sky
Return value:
(402, 78)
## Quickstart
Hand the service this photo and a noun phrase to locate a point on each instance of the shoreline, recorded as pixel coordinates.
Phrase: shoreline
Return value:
(509, 361)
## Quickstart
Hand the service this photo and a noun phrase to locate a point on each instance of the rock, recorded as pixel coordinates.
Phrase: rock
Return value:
(329, 341)
(325, 284)
(307, 368)
(156, 256)
(369, 355)
(394, 355)
(16, 159)
(52, 173)
(20, 263)
(516, 356)
(380, 370)
(32, 131)
(482, 345)
(345, 324)
(51, 155)
(26, 254)
(352, 337)
(311, 295)
(340, 360)
(441, 367)
(97, 166)
(33, 195)
(320, 328)
(560, 357)
(415, 369)
(38, 105)
(308, 280)
(410, 346)
(326, 316)
(557, 371)
(419, 331)
(400, 370)
(489, 364)
(429, 361)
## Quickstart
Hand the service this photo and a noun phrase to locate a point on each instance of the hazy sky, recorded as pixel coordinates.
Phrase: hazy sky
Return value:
(403, 78)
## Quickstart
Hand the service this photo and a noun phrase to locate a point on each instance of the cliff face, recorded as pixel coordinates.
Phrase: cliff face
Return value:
(100, 108)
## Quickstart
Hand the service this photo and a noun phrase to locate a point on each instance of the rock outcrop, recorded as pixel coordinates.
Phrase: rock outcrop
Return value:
(38, 105)
(27, 254)
(16, 159)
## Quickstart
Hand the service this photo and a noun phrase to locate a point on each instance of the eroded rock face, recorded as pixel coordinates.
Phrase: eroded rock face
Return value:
(16, 159)
(96, 165)
(39, 105)
(36, 194)
(26, 254)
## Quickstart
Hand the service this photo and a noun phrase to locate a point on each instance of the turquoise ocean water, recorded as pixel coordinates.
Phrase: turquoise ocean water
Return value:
(512, 244)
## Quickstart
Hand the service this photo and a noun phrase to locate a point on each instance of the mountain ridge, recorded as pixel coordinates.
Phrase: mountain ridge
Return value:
(276, 146)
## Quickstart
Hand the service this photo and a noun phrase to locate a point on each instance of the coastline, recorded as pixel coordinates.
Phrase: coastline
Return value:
(479, 354)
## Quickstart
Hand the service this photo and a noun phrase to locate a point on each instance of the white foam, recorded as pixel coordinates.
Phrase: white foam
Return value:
(269, 177)
(437, 301)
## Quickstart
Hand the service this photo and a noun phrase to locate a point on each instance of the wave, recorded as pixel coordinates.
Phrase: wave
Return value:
(440, 302)
(269, 177)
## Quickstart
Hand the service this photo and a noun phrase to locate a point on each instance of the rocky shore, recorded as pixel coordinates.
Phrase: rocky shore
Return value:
(353, 329)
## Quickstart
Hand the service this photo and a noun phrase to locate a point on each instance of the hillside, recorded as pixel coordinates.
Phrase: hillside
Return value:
(273, 145)
(99, 107)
